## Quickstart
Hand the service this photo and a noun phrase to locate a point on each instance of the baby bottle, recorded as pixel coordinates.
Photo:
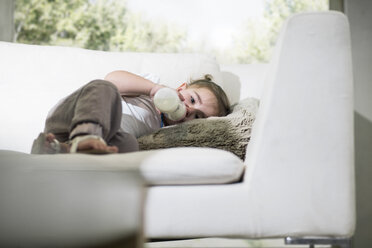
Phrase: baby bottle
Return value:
(168, 102)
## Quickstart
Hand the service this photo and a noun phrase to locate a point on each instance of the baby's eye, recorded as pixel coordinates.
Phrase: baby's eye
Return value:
(192, 100)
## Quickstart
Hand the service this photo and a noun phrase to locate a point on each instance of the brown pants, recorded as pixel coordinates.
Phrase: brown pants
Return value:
(93, 109)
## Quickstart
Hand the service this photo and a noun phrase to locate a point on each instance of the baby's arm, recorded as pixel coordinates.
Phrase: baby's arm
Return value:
(130, 84)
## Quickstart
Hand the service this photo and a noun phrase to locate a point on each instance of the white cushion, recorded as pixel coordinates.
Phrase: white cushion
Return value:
(244, 80)
(174, 166)
(191, 166)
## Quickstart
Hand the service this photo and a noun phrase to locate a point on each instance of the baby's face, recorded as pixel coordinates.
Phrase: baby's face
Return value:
(200, 103)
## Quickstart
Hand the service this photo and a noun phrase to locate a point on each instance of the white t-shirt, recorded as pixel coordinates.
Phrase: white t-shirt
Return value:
(140, 116)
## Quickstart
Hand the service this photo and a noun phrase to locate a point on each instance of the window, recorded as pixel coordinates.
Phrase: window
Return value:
(234, 31)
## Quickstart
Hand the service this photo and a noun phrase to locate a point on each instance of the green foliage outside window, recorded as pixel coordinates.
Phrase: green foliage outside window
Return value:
(100, 25)
(108, 25)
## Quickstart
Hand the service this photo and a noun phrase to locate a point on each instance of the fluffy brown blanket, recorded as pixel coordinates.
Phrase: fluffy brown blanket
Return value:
(231, 133)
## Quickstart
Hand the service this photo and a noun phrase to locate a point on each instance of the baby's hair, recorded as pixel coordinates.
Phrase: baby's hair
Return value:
(222, 100)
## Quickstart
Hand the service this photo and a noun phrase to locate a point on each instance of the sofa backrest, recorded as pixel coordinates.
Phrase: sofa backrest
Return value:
(33, 78)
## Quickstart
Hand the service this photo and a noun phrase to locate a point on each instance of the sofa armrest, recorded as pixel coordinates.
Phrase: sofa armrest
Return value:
(301, 153)
(60, 200)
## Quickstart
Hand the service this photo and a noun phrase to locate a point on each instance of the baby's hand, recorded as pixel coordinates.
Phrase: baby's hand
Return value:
(155, 89)
(180, 96)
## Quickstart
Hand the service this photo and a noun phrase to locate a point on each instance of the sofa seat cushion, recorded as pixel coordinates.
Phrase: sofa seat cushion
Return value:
(173, 166)
(188, 165)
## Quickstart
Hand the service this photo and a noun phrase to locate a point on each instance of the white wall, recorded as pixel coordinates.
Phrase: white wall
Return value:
(359, 13)
(6, 20)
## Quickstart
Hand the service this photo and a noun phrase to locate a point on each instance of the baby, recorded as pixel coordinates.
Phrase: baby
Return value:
(107, 116)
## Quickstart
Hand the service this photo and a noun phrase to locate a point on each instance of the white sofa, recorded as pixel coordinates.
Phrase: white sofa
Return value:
(298, 176)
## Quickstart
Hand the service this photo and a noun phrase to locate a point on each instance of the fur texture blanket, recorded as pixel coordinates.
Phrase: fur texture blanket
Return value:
(231, 133)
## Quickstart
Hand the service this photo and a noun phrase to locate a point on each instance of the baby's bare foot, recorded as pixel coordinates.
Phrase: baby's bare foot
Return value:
(95, 146)
(48, 144)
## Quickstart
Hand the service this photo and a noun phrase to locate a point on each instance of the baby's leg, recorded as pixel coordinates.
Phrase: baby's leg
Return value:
(98, 103)
(94, 109)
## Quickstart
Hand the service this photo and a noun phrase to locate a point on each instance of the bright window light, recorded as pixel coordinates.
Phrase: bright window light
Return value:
(233, 31)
